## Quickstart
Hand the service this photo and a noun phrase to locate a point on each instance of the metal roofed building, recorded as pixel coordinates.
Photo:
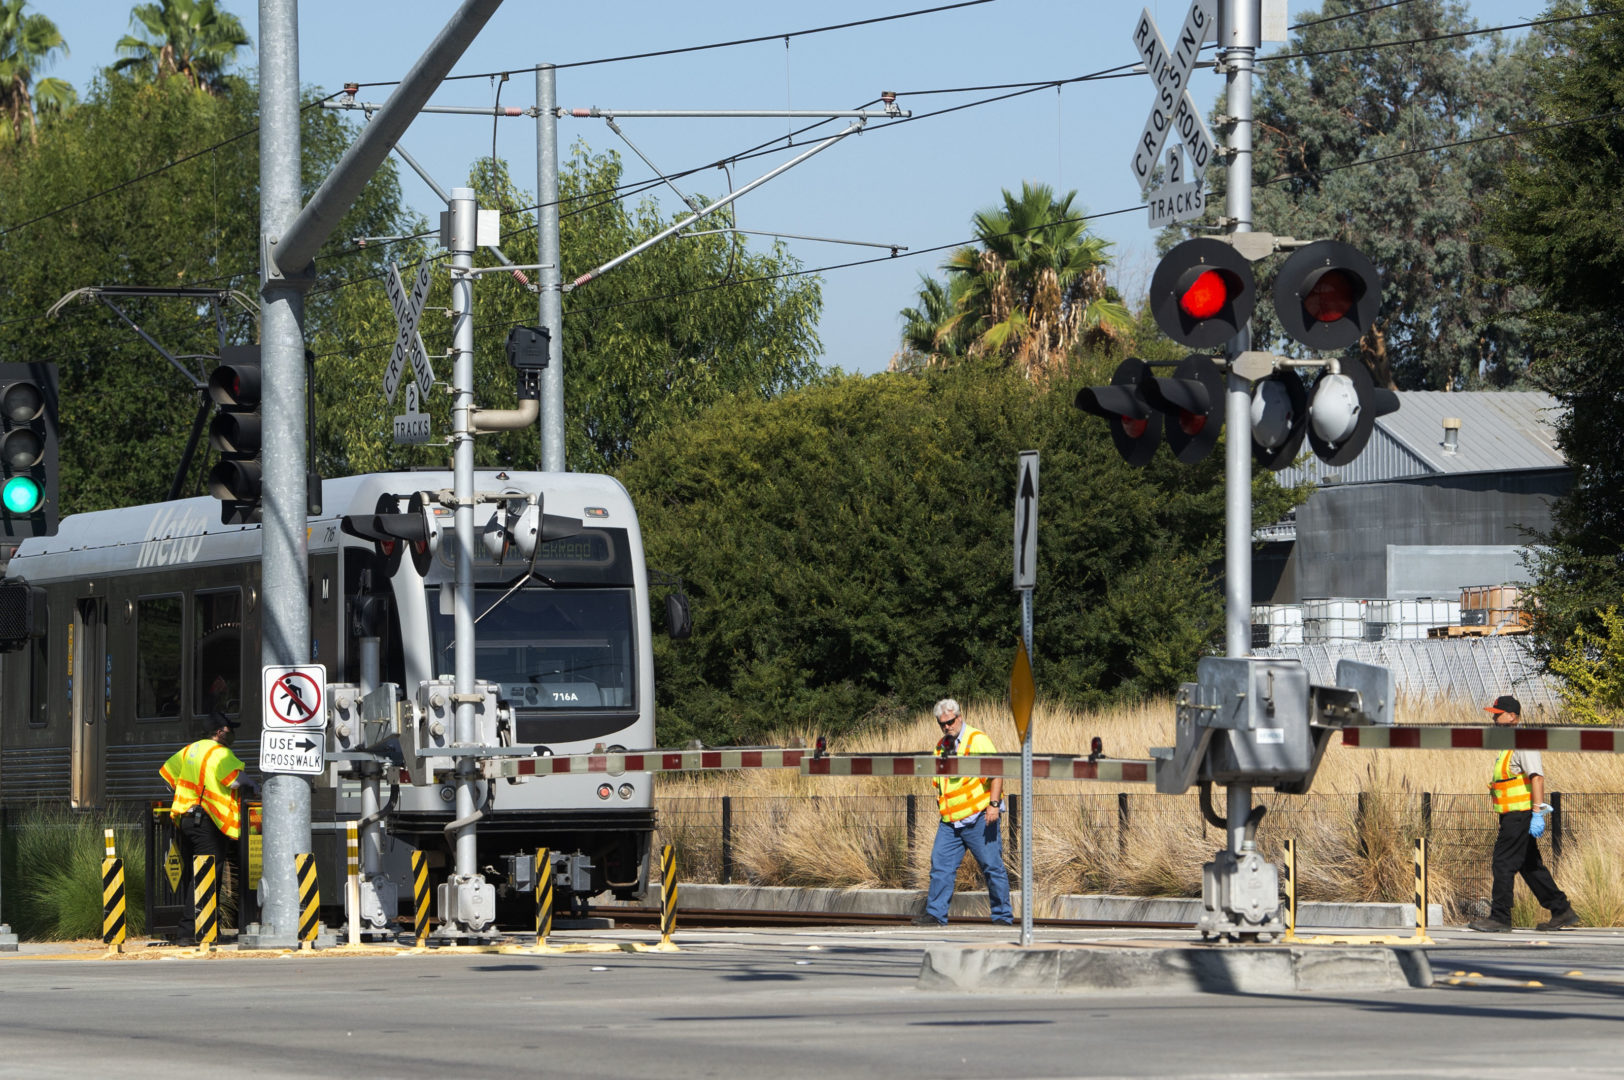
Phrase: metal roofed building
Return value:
(1446, 494)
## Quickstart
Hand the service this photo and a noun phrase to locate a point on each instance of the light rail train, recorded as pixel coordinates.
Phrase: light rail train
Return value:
(148, 618)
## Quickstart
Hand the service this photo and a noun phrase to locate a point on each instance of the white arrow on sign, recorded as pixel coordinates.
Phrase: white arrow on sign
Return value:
(408, 342)
(1026, 521)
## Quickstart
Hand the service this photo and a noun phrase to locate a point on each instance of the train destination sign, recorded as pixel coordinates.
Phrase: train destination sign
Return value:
(294, 697)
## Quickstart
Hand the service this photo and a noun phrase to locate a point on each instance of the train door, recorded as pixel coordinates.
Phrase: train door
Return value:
(91, 673)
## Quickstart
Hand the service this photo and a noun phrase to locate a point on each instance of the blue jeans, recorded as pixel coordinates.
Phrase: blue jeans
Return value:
(948, 851)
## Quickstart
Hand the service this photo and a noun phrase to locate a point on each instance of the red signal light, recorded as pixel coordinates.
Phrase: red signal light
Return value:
(1133, 427)
(1206, 296)
(1192, 423)
(1331, 297)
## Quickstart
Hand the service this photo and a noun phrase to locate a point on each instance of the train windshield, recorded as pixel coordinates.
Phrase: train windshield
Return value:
(551, 649)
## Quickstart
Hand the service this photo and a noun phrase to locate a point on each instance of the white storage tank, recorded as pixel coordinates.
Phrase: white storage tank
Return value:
(1333, 618)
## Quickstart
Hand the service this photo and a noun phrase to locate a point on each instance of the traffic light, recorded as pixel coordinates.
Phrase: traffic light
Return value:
(1342, 409)
(1193, 402)
(1279, 419)
(28, 450)
(1135, 427)
(1202, 293)
(237, 479)
(1326, 295)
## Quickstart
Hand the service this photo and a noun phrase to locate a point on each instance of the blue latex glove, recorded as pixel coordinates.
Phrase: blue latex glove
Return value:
(1536, 826)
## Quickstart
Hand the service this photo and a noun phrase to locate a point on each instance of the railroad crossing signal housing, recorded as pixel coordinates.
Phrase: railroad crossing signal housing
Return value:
(1279, 419)
(237, 480)
(28, 450)
(1327, 294)
(1193, 402)
(1136, 428)
(1202, 293)
(1343, 409)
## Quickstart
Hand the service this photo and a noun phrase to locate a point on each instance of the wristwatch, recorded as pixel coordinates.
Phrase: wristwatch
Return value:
(999, 806)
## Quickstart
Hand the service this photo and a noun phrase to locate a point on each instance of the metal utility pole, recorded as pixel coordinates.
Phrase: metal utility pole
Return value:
(286, 618)
(551, 274)
(289, 240)
(1239, 36)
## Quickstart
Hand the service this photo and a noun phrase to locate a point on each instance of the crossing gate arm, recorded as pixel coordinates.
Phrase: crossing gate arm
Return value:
(1044, 767)
(1487, 737)
(644, 761)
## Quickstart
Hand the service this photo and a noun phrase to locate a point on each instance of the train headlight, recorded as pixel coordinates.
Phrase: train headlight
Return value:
(626, 791)
(605, 790)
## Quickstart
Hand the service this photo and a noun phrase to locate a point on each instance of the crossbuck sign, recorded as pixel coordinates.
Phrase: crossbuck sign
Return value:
(408, 342)
(1173, 110)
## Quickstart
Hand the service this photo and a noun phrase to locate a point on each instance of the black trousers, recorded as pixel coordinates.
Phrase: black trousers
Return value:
(1515, 852)
(199, 835)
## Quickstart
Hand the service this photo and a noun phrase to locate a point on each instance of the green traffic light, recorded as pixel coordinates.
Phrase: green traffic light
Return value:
(21, 495)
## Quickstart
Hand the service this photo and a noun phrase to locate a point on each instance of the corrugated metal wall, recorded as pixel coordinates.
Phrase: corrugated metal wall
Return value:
(1469, 670)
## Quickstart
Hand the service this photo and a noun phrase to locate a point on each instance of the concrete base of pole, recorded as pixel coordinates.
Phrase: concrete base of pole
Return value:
(8, 940)
(260, 936)
(1174, 969)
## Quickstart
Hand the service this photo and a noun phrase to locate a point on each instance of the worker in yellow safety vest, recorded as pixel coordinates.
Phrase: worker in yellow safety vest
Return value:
(970, 808)
(206, 778)
(1517, 790)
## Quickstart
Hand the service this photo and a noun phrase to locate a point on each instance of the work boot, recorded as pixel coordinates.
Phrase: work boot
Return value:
(927, 920)
(1564, 921)
(1489, 926)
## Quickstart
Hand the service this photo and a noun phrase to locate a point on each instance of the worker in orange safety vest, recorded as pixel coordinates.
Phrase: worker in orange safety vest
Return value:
(1517, 790)
(206, 778)
(970, 808)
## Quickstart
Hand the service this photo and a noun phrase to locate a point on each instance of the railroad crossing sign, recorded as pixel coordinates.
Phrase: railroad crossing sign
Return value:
(294, 697)
(408, 342)
(413, 427)
(1173, 110)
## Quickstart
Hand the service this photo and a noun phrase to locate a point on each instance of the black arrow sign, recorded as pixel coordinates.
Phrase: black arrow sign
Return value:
(1028, 498)
(305, 744)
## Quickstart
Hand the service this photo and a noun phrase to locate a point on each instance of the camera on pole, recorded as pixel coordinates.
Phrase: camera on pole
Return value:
(1136, 428)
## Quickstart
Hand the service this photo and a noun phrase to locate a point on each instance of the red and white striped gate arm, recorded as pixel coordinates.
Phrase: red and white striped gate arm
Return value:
(1557, 739)
(644, 761)
(1044, 767)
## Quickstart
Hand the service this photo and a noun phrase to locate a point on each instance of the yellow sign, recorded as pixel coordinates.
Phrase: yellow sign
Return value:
(172, 866)
(1021, 692)
(256, 858)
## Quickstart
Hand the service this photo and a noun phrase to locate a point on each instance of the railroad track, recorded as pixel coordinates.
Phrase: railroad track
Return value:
(721, 917)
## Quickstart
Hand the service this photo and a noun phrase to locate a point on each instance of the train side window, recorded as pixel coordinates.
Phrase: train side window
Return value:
(217, 653)
(39, 681)
(158, 652)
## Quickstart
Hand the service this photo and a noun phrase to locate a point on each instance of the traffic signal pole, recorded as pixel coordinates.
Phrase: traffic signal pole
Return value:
(1239, 35)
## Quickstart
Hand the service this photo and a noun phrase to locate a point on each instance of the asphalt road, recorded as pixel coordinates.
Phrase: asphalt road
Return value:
(816, 1004)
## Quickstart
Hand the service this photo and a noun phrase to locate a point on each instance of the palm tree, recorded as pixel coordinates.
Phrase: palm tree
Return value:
(193, 38)
(930, 332)
(27, 43)
(1036, 285)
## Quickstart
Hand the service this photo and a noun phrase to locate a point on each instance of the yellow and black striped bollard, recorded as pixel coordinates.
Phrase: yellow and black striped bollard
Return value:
(1421, 887)
(309, 897)
(668, 893)
(420, 896)
(544, 895)
(206, 900)
(352, 881)
(113, 929)
(1291, 890)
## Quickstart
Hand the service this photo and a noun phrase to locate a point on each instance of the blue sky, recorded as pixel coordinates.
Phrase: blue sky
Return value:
(914, 185)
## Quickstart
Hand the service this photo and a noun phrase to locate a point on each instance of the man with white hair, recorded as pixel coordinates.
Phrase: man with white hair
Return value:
(970, 808)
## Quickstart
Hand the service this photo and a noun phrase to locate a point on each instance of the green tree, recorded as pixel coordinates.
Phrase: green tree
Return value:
(28, 42)
(91, 205)
(932, 332)
(1344, 134)
(190, 38)
(649, 345)
(847, 550)
(1558, 215)
(1029, 294)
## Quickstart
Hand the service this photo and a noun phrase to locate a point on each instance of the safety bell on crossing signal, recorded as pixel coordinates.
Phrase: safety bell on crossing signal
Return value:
(1343, 409)
(1327, 294)
(1135, 427)
(1279, 419)
(1202, 293)
(1193, 402)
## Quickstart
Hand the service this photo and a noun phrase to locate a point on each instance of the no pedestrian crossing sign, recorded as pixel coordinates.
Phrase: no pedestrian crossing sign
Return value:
(295, 697)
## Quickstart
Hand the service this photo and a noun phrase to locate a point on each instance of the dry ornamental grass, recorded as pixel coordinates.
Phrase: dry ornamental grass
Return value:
(1355, 831)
